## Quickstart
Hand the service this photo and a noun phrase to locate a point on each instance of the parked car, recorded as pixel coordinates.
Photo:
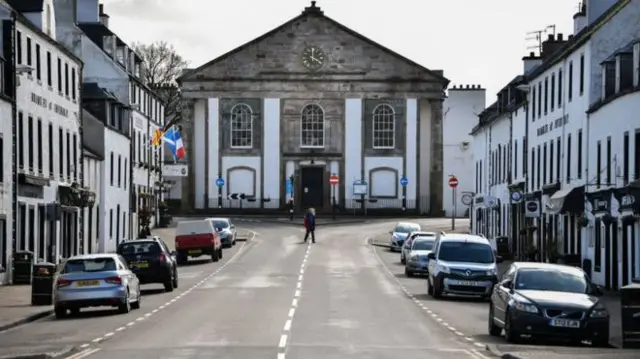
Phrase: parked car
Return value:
(226, 229)
(151, 260)
(417, 259)
(400, 232)
(95, 280)
(197, 238)
(550, 301)
(462, 264)
(406, 247)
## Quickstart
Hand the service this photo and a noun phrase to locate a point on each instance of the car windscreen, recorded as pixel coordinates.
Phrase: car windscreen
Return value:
(402, 228)
(220, 223)
(551, 280)
(422, 244)
(466, 252)
(139, 248)
(89, 265)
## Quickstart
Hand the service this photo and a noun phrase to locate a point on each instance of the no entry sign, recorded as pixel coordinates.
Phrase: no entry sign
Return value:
(453, 182)
(333, 180)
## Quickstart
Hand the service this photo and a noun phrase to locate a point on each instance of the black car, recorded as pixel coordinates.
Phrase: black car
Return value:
(151, 261)
(548, 301)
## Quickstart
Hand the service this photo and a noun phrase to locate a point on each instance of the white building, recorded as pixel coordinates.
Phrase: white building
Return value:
(461, 109)
(48, 138)
(7, 184)
(93, 148)
(114, 72)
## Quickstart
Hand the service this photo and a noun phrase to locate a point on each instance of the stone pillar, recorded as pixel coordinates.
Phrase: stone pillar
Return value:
(436, 185)
(188, 183)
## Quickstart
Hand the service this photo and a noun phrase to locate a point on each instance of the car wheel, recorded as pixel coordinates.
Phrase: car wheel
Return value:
(220, 254)
(125, 307)
(74, 311)
(510, 334)
(437, 290)
(182, 259)
(175, 279)
(408, 273)
(429, 287)
(60, 312)
(168, 284)
(601, 341)
(215, 255)
(234, 240)
(494, 330)
(402, 259)
(136, 304)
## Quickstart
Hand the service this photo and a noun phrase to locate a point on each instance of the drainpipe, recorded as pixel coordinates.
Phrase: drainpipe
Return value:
(14, 159)
(80, 170)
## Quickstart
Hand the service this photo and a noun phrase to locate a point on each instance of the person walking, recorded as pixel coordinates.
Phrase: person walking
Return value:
(310, 225)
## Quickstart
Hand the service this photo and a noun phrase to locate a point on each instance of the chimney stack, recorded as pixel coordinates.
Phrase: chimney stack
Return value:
(580, 19)
(104, 18)
(552, 45)
(530, 62)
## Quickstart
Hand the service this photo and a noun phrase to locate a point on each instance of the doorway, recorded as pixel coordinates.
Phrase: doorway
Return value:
(613, 272)
(625, 253)
(311, 183)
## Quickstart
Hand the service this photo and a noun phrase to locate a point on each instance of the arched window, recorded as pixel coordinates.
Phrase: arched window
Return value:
(312, 126)
(384, 126)
(241, 126)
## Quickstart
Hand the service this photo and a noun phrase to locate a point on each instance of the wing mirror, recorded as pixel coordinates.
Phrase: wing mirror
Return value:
(499, 259)
(508, 285)
(232, 227)
(431, 255)
(218, 229)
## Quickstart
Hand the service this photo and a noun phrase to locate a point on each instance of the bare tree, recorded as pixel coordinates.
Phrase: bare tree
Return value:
(163, 65)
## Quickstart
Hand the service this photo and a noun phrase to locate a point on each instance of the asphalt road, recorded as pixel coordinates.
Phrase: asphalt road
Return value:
(91, 326)
(281, 298)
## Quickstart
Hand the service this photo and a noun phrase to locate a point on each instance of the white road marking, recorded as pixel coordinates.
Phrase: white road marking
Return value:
(282, 345)
(472, 352)
(154, 311)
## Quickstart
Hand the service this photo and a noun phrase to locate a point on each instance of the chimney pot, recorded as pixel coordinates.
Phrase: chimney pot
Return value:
(478, 86)
(550, 37)
(101, 7)
(467, 87)
(532, 54)
(560, 37)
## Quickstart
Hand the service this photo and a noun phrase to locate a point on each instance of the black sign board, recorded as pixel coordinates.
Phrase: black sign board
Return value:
(600, 201)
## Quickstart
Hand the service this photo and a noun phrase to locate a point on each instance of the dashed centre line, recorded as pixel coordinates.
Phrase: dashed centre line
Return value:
(282, 345)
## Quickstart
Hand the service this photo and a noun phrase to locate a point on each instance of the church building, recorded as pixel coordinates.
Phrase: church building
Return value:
(308, 102)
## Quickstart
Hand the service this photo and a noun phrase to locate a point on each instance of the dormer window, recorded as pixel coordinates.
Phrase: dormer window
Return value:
(132, 61)
(137, 70)
(636, 55)
(120, 55)
(624, 71)
(608, 78)
(109, 43)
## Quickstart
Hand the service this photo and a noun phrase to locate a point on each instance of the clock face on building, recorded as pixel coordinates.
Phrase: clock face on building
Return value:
(313, 58)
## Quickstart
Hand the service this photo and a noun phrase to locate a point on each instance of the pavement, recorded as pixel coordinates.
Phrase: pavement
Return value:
(277, 297)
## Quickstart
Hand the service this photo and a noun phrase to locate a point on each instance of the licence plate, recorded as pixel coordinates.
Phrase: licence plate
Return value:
(140, 265)
(195, 251)
(88, 283)
(564, 323)
(468, 283)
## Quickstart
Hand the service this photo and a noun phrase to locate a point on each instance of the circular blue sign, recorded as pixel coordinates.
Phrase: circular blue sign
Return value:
(220, 182)
(404, 181)
(516, 196)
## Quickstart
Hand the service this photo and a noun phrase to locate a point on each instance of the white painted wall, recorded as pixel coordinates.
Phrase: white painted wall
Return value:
(411, 150)
(385, 183)
(241, 179)
(461, 110)
(6, 191)
(353, 148)
(271, 156)
(213, 147)
(424, 111)
(114, 195)
(141, 153)
(199, 150)
(93, 181)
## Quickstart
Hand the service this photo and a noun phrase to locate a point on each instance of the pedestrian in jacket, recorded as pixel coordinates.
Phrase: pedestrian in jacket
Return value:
(310, 225)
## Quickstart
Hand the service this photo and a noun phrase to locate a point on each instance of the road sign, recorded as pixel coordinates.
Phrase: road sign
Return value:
(237, 196)
(220, 182)
(466, 199)
(333, 180)
(404, 181)
(360, 187)
(453, 182)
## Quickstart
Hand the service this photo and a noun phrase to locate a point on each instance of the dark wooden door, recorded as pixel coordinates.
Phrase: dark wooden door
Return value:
(312, 187)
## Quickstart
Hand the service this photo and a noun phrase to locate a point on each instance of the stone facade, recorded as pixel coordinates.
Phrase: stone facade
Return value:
(270, 67)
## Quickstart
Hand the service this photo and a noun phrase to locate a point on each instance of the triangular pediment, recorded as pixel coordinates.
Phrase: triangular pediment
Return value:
(280, 52)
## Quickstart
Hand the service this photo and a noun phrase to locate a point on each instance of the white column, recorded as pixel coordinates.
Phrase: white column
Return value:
(271, 143)
(412, 150)
(213, 147)
(198, 152)
(353, 145)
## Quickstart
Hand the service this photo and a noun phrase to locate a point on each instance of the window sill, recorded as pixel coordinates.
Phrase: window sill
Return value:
(384, 148)
(311, 147)
(241, 147)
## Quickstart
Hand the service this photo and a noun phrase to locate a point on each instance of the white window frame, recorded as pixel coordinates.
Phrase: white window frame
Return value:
(376, 116)
(317, 116)
(239, 114)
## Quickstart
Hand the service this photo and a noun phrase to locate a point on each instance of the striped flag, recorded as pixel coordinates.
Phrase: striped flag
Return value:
(173, 139)
(156, 140)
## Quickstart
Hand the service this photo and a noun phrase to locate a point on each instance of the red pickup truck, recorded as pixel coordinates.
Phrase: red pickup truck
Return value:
(197, 238)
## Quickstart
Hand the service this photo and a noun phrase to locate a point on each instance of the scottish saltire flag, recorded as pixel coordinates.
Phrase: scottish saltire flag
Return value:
(173, 139)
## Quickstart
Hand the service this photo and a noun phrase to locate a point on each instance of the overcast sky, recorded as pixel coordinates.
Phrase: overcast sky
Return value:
(473, 41)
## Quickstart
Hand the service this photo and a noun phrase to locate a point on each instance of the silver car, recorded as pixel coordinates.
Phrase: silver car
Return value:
(406, 247)
(399, 234)
(95, 280)
(226, 229)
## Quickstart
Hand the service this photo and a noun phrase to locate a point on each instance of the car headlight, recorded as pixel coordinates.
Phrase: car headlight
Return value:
(443, 269)
(491, 272)
(599, 312)
(414, 258)
(523, 305)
